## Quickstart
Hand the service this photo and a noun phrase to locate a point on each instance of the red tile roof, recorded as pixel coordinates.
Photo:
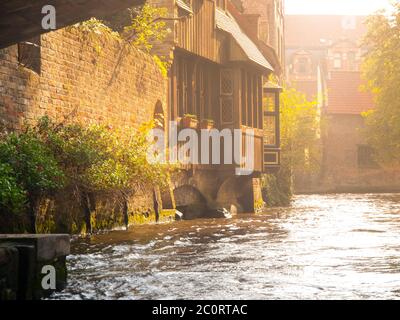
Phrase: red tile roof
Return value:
(345, 95)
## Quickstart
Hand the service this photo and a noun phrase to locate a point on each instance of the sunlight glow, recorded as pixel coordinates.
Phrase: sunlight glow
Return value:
(336, 7)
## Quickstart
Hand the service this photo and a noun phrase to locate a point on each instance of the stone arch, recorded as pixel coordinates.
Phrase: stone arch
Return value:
(235, 194)
(190, 201)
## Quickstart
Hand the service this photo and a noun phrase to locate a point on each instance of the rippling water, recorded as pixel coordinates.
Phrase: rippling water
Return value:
(323, 247)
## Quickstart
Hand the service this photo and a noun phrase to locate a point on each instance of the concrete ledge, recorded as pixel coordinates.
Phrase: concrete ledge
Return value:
(22, 258)
(48, 246)
(9, 259)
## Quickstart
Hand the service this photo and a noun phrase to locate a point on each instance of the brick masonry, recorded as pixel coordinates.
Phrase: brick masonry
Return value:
(96, 76)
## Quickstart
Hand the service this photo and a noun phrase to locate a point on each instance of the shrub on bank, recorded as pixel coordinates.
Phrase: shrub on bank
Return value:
(87, 160)
(276, 189)
(29, 172)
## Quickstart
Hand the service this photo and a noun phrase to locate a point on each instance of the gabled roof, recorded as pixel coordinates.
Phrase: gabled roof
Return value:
(227, 23)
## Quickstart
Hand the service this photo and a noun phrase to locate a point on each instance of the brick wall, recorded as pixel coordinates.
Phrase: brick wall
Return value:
(95, 77)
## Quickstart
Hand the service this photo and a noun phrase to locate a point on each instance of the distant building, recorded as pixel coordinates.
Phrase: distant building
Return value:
(323, 60)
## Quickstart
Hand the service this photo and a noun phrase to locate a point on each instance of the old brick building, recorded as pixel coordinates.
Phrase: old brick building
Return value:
(324, 56)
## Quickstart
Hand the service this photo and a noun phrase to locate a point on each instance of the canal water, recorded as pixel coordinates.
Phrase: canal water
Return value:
(323, 247)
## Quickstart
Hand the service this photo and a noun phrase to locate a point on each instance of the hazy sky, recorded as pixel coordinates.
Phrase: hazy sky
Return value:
(342, 7)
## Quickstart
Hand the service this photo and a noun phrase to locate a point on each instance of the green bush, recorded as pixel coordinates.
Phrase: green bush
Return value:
(35, 167)
(89, 159)
(12, 196)
(30, 170)
(276, 189)
(102, 159)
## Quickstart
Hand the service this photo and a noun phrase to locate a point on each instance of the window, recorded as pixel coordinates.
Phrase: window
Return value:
(226, 91)
(158, 117)
(251, 99)
(302, 66)
(249, 115)
(182, 86)
(365, 155)
(351, 57)
(29, 54)
(271, 119)
(201, 91)
(255, 102)
(269, 102)
(226, 82)
(337, 61)
(194, 88)
(271, 158)
(244, 97)
(270, 130)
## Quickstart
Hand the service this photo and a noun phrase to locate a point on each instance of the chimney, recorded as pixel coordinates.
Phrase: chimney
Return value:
(252, 22)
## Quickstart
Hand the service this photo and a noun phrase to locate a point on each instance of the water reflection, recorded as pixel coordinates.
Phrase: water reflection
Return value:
(323, 247)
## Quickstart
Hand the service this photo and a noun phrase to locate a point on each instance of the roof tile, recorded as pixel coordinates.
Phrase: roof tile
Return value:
(227, 23)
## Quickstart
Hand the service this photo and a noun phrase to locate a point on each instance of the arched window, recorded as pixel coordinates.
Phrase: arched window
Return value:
(159, 119)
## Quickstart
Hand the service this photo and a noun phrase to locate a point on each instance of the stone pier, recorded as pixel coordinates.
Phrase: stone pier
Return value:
(32, 266)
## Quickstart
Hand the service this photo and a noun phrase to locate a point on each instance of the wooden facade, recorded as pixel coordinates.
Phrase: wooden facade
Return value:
(214, 76)
(197, 33)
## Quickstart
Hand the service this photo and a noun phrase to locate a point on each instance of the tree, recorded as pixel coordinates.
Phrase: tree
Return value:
(300, 145)
(140, 26)
(300, 131)
(381, 69)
